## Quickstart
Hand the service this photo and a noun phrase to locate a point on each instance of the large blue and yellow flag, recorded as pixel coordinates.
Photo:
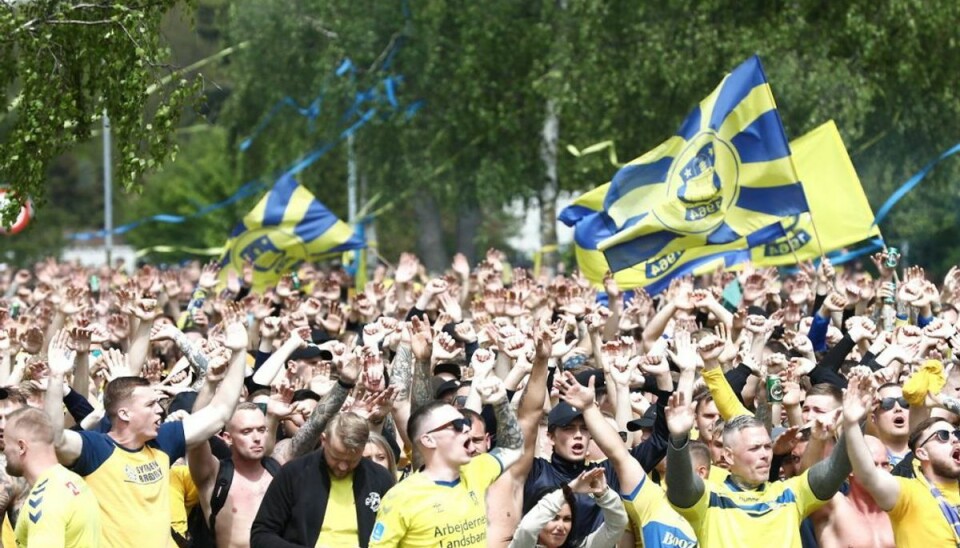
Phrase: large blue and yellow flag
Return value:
(727, 175)
(287, 227)
(838, 207)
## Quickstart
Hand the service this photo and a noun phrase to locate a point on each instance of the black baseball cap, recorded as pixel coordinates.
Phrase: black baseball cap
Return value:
(646, 421)
(309, 353)
(563, 414)
(445, 387)
(448, 367)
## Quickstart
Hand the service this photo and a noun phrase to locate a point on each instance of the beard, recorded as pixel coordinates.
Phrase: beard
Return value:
(945, 469)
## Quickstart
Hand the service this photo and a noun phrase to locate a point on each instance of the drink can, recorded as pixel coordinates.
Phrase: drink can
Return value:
(893, 257)
(774, 389)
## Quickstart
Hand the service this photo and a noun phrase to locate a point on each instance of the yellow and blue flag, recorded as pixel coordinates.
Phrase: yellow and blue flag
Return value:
(837, 203)
(727, 176)
(287, 227)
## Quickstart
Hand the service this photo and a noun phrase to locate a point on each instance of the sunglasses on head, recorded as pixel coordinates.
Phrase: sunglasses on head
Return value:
(942, 436)
(458, 425)
(887, 403)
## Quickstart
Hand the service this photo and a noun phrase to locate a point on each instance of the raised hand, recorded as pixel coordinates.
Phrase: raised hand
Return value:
(685, 352)
(280, 403)
(857, 399)
(31, 340)
(482, 363)
(163, 332)
(372, 370)
(146, 310)
(421, 338)
(60, 358)
(574, 393)
(492, 391)
(680, 415)
(591, 482)
(217, 361)
(235, 333)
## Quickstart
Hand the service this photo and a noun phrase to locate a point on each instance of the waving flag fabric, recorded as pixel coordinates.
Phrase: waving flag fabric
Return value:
(288, 226)
(726, 176)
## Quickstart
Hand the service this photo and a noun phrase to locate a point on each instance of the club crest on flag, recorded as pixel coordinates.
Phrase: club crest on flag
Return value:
(268, 251)
(705, 185)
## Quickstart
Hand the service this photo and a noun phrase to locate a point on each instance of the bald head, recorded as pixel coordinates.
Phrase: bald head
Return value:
(878, 451)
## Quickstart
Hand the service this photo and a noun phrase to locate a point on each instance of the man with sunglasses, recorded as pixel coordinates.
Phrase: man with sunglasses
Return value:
(922, 510)
(443, 504)
(892, 417)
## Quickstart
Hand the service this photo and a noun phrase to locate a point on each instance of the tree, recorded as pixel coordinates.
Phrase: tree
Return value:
(68, 61)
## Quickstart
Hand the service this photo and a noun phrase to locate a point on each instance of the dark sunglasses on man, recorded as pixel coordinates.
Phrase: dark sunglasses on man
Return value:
(943, 436)
(458, 425)
(887, 403)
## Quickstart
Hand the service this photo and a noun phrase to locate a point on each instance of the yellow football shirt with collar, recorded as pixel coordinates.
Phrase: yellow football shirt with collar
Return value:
(769, 516)
(132, 486)
(653, 522)
(422, 513)
(916, 517)
(61, 512)
(340, 519)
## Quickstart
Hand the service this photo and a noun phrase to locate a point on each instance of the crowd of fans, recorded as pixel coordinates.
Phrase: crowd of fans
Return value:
(478, 407)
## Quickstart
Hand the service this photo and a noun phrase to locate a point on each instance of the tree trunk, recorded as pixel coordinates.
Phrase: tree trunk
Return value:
(469, 218)
(548, 194)
(430, 236)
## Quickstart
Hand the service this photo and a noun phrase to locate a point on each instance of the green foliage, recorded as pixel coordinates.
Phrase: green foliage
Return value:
(68, 61)
(201, 175)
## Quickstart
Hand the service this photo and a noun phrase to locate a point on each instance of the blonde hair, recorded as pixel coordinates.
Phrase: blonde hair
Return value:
(351, 429)
(384, 445)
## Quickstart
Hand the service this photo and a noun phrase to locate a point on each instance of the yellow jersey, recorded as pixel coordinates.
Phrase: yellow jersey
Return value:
(653, 522)
(60, 512)
(420, 513)
(339, 526)
(132, 486)
(916, 517)
(768, 516)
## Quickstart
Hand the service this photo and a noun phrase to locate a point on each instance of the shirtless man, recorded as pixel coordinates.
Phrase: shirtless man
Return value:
(853, 519)
(246, 434)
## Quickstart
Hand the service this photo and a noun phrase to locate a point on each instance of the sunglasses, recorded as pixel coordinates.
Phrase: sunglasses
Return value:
(942, 436)
(458, 425)
(887, 403)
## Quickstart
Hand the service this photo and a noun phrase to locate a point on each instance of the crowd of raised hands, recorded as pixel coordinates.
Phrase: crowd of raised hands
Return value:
(130, 324)
(858, 330)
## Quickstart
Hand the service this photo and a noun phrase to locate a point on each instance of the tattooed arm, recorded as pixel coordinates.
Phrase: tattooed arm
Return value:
(401, 372)
(306, 438)
(193, 354)
(509, 447)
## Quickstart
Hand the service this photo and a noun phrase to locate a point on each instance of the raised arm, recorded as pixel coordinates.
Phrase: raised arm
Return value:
(307, 437)
(198, 427)
(582, 397)
(268, 372)
(509, 436)
(203, 465)
(883, 487)
(684, 488)
(60, 360)
(146, 311)
(531, 404)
